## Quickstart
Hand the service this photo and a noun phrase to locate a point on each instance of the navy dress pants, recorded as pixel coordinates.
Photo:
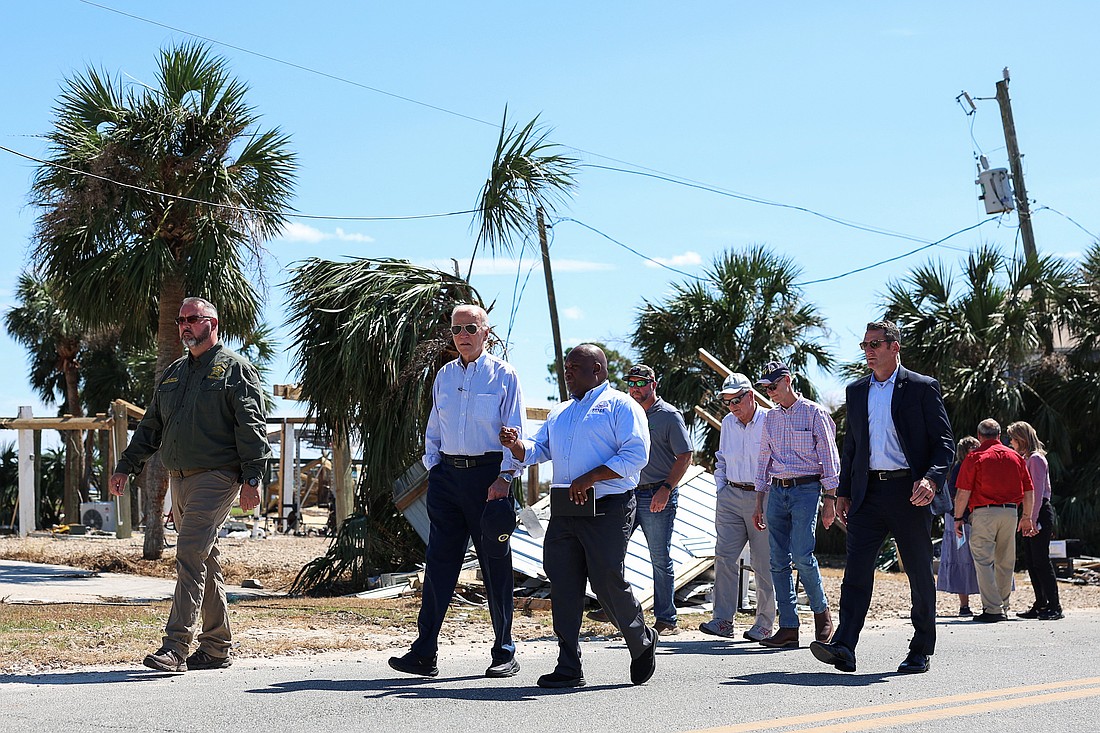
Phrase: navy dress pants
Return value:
(886, 509)
(456, 500)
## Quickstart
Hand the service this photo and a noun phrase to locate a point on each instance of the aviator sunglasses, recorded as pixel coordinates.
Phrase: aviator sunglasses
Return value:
(864, 345)
(470, 328)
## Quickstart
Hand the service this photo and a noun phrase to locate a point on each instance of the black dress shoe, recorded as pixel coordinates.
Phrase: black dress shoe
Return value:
(1051, 615)
(990, 618)
(1032, 612)
(837, 655)
(642, 668)
(557, 680)
(503, 669)
(914, 663)
(412, 664)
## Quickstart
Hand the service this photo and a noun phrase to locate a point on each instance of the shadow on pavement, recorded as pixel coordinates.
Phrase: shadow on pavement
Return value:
(427, 689)
(86, 678)
(813, 679)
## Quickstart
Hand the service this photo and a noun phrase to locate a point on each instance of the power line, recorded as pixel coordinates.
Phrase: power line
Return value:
(765, 202)
(641, 169)
(291, 64)
(1069, 219)
(937, 243)
(231, 207)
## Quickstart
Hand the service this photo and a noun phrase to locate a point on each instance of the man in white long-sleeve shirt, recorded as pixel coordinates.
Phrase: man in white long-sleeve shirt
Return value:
(472, 397)
(599, 442)
(734, 476)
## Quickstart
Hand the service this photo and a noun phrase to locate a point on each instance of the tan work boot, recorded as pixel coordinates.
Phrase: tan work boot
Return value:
(823, 626)
(782, 639)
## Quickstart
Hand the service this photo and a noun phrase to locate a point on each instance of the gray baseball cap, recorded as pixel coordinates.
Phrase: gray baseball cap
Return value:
(735, 383)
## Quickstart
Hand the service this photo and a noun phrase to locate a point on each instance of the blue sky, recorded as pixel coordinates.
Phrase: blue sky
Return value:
(843, 108)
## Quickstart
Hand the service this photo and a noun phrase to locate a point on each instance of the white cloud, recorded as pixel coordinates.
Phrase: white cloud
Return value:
(573, 314)
(297, 232)
(687, 259)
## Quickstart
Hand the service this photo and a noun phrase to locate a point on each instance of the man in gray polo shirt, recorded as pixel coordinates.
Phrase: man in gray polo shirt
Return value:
(669, 457)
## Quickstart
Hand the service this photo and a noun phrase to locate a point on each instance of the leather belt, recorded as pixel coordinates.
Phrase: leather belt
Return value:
(650, 485)
(471, 461)
(787, 483)
(742, 486)
(889, 475)
(995, 506)
(188, 472)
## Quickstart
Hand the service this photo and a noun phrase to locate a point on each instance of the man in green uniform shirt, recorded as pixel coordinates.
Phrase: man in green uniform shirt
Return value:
(207, 420)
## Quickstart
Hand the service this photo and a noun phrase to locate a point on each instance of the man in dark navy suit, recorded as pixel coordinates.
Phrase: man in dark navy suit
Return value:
(897, 449)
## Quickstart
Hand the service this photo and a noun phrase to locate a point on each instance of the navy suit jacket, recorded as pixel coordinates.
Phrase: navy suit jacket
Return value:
(923, 429)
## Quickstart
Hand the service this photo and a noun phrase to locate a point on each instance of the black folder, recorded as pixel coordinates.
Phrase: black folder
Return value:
(561, 505)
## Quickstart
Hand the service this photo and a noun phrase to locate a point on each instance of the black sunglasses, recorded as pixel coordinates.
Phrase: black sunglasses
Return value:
(864, 345)
(470, 328)
(733, 400)
(637, 383)
(192, 320)
(772, 387)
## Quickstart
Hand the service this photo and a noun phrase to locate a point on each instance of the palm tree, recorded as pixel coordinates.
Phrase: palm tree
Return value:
(988, 339)
(56, 342)
(369, 336)
(745, 310)
(152, 193)
(1012, 341)
(526, 182)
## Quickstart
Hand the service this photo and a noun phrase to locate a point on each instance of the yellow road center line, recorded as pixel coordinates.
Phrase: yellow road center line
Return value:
(967, 709)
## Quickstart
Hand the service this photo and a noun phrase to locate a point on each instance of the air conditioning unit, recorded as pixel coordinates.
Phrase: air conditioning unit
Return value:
(99, 515)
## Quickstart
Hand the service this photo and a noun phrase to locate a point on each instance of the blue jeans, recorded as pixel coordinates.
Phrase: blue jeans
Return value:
(792, 523)
(657, 528)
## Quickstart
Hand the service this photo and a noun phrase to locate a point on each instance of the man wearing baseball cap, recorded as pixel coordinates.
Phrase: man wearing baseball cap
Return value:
(734, 477)
(669, 458)
(799, 466)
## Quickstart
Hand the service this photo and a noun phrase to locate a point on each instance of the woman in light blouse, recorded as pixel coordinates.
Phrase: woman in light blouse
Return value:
(1037, 547)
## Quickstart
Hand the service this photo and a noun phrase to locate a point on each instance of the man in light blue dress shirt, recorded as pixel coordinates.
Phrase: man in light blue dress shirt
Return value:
(472, 397)
(599, 442)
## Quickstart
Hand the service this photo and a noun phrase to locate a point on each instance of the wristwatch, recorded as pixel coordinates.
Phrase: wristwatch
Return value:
(664, 485)
(506, 476)
(254, 482)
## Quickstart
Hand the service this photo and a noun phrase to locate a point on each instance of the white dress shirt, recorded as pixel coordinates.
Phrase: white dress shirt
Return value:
(886, 452)
(739, 449)
(605, 428)
(469, 405)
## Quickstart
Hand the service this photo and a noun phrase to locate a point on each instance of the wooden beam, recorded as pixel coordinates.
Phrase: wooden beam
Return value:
(708, 418)
(537, 413)
(56, 423)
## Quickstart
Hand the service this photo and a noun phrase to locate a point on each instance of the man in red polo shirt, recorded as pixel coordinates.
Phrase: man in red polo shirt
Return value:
(993, 481)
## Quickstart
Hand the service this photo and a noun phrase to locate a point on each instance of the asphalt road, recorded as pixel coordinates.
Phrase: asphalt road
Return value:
(1013, 676)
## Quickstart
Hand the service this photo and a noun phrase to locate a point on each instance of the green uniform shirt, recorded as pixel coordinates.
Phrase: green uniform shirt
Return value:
(206, 413)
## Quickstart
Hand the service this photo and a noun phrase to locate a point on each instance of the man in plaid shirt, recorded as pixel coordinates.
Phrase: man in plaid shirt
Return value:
(798, 464)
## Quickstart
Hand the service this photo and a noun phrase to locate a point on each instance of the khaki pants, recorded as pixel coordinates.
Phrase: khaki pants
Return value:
(993, 547)
(200, 506)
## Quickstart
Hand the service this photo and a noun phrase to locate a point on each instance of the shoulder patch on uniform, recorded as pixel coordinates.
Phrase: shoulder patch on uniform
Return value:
(169, 380)
(217, 371)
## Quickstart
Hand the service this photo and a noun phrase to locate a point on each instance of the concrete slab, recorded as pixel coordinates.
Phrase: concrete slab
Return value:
(26, 582)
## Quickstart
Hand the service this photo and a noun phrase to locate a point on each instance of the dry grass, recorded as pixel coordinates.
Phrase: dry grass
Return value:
(35, 637)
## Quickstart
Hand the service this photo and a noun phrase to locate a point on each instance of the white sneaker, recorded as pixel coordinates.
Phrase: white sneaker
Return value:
(717, 627)
(757, 633)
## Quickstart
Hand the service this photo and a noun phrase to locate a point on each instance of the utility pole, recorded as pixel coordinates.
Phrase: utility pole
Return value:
(553, 303)
(1026, 233)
